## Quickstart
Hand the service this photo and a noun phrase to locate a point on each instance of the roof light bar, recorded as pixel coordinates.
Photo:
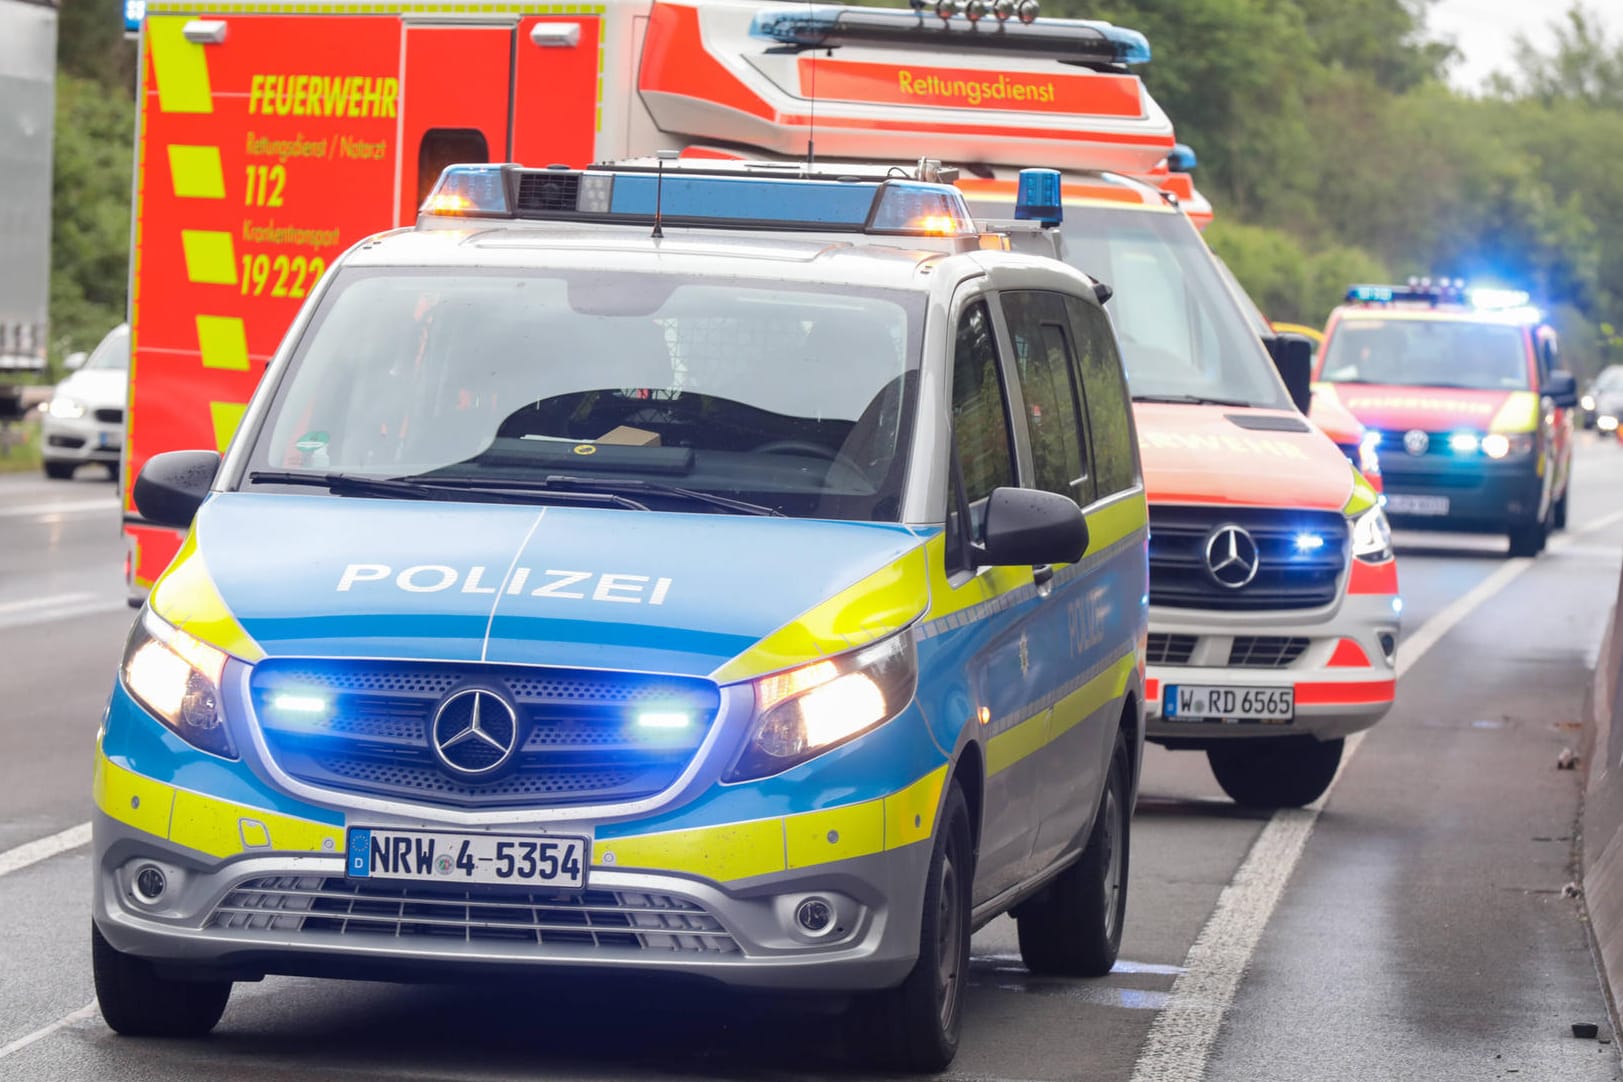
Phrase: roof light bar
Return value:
(1086, 41)
(1449, 291)
(1182, 159)
(727, 198)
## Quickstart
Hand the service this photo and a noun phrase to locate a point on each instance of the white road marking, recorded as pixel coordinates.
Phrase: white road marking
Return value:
(15, 860)
(62, 507)
(87, 1011)
(61, 607)
(1179, 1045)
(44, 602)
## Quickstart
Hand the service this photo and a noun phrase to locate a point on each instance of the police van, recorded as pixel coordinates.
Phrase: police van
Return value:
(731, 571)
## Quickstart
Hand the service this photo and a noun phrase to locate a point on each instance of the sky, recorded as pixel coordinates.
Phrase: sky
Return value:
(1485, 30)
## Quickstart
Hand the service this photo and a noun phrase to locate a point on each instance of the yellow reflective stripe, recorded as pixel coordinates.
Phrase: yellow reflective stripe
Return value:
(734, 851)
(989, 585)
(179, 67)
(226, 417)
(910, 813)
(1363, 495)
(1520, 413)
(886, 600)
(854, 830)
(210, 257)
(132, 799)
(223, 342)
(1036, 732)
(185, 596)
(1117, 521)
(220, 828)
(723, 853)
(196, 172)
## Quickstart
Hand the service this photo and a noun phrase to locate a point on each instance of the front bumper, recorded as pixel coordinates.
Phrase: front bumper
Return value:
(1338, 690)
(82, 439)
(1483, 495)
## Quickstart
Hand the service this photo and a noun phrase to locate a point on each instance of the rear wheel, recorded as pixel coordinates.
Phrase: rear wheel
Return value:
(1073, 928)
(137, 1002)
(1283, 772)
(914, 1026)
(60, 471)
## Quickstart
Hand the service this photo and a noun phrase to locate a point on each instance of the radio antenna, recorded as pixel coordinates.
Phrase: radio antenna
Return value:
(811, 128)
(660, 158)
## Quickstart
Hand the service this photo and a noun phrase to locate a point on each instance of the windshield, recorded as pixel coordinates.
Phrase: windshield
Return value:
(113, 352)
(1182, 332)
(797, 398)
(1611, 379)
(1428, 353)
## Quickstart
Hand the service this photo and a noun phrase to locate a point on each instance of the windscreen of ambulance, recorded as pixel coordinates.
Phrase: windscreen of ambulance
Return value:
(1428, 353)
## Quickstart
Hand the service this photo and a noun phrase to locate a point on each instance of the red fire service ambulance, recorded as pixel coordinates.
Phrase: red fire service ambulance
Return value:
(274, 135)
(1465, 402)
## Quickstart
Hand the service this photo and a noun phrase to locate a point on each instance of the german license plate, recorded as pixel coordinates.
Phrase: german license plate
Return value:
(1399, 503)
(530, 860)
(108, 441)
(1193, 702)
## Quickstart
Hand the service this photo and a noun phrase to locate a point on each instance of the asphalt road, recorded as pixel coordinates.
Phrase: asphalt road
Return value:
(1415, 927)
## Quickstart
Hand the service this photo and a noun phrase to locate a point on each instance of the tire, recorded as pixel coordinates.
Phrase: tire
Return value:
(1529, 540)
(1559, 519)
(1281, 772)
(1073, 928)
(60, 471)
(137, 1002)
(914, 1026)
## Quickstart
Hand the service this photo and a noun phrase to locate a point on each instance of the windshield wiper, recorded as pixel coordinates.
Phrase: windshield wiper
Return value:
(614, 488)
(426, 488)
(1192, 400)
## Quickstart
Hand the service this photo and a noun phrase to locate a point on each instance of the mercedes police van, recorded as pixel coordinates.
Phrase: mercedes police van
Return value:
(647, 567)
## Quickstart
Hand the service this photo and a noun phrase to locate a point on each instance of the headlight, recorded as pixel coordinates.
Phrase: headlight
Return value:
(1372, 536)
(1500, 445)
(177, 678)
(1587, 402)
(67, 408)
(1369, 462)
(1607, 423)
(804, 712)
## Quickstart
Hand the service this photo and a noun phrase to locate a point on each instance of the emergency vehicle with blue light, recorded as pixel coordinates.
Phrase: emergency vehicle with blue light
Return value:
(1466, 404)
(681, 567)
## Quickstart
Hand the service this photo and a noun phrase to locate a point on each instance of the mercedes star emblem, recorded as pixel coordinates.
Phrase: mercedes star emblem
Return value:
(475, 731)
(1231, 556)
(1416, 442)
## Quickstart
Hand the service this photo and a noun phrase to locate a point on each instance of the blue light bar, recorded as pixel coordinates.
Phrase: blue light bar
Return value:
(1038, 197)
(1086, 40)
(1510, 303)
(811, 202)
(135, 12)
(1182, 159)
(469, 189)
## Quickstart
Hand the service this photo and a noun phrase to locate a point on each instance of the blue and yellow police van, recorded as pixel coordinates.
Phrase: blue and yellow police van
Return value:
(715, 569)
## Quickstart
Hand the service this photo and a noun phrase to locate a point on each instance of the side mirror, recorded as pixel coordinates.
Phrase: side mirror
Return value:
(172, 486)
(1293, 356)
(1028, 527)
(1562, 388)
(75, 361)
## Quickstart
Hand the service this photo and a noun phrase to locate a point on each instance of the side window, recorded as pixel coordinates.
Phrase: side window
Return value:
(1051, 388)
(1110, 418)
(980, 415)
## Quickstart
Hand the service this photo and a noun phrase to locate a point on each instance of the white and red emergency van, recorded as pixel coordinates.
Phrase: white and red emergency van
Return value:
(274, 135)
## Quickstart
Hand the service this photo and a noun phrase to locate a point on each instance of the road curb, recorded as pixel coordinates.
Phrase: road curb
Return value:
(1602, 822)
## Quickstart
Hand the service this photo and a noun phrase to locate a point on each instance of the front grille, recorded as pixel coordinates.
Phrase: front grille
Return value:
(1265, 651)
(599, 919)
(1426, 480)
(113, 416)
(1166, 649)
(1392, 446)
(544, 192)
(70, 442)
(579, 739)
(1288, 576)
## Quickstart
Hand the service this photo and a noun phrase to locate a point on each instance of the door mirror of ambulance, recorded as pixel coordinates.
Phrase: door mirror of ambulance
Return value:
(1562, 389)
(75, 361)
(1026, 526)
(1293, 356)
(172, 486)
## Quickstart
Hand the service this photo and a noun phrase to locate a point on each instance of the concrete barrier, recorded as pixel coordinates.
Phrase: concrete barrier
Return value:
(1602, 826)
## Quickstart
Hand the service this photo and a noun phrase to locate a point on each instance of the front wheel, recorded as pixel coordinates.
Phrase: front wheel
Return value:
(1281, 772)
(914, 1026)
(137, 1001)
(1560, 522)
(1529, 540)
(1073, 928)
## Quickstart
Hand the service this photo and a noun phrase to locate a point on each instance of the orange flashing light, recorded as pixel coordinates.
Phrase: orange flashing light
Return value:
(447, 203)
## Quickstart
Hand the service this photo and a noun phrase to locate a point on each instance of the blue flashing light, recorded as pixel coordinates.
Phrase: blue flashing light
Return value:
(1132, 47)
(299, 704)
(1309, 542)
(1372, 439)
(1182, 159)
(1038, 197)
(742, 199)
(1370, 294)
(1397, 605)
(1464, 443)
(663, 719)
(1496, 299)
(824, 27)
(469, 189)
(135, 12)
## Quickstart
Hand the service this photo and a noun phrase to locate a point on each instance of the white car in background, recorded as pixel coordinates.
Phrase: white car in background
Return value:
(84, 420)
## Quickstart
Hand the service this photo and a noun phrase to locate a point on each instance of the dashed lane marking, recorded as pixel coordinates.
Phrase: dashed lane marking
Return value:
(15, 860)
(63, 507)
